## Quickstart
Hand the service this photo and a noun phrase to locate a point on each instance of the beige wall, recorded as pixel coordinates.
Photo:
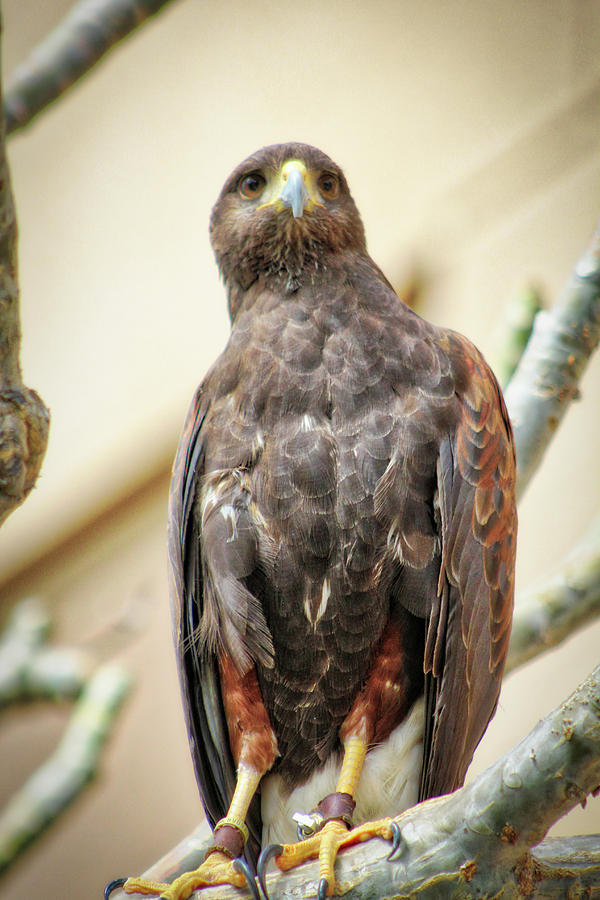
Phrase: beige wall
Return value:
(470, 134)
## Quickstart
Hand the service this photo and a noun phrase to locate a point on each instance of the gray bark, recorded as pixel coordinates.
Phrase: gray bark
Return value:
(24, 420)
(551, 611)
(548, 374)
(74, 47)
(477, 842)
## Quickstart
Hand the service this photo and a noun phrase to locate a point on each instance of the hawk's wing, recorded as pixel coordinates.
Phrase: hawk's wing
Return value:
(469, 624)
(198, 667)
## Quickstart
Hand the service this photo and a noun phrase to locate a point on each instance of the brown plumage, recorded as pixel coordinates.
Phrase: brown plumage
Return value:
(343, 526)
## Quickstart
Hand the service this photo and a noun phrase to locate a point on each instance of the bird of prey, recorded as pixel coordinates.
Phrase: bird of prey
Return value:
(342, 537)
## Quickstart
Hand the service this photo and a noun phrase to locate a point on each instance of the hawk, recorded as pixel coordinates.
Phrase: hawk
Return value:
(342, 537)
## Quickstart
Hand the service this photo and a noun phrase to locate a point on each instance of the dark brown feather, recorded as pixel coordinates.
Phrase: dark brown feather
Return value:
(346, 467)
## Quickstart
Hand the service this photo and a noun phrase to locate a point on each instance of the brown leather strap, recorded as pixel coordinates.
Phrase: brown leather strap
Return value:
(228, 840)
(337, 806)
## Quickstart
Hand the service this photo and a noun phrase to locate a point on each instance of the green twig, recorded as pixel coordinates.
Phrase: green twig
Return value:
(515, 331)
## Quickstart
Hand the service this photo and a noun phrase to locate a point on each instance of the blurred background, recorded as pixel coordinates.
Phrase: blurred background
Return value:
(470, 134)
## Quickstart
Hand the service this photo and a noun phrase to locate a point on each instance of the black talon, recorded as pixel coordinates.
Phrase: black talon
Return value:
(322, 892)
(396, 840)
(266, 854)
(110, 887)
(240, 865)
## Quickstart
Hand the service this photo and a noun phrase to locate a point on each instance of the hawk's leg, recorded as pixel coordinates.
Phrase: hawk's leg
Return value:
(334, 834)
(254, 747)
(387, 696)
(221, 865)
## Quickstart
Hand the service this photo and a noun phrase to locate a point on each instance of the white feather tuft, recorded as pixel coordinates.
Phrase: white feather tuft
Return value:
(388, 785)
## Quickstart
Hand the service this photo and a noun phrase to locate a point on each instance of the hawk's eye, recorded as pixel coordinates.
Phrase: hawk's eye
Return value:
(329, 185)
(252, 186)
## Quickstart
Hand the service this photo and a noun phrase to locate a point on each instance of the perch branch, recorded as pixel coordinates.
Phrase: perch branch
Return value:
(548, 613)
(24, 419)
(86, 33)
(476, 842)
(547, 377)
(58, 780)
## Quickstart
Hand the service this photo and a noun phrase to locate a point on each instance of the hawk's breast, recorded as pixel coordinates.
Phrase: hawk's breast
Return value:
(317, 403)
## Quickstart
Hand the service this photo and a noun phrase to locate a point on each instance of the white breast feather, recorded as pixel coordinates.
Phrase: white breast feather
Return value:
(388, 785)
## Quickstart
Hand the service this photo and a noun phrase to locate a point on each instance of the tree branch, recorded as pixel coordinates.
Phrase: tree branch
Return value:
(58, 780)
(24, 419)
(554, 360)
(29, 669)
(475, 842)
(550, 612)
(88, 31)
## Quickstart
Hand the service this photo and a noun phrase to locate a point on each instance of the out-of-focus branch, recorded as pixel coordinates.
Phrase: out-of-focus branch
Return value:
(29, 669)
(546, 380)
(55, 784)
(24, 419)
(476, 842)
(86, 33)
(548, 613)
(515, 331)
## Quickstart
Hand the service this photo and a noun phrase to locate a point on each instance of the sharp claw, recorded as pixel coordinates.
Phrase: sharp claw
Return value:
(112, 885)
(266, 854)
(240, 865)
(396, 841)
(323, 887)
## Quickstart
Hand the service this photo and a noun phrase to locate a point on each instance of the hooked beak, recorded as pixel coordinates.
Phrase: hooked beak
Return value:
(294, 193)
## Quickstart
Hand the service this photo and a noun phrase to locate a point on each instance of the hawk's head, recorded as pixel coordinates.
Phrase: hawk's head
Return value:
(280, 214)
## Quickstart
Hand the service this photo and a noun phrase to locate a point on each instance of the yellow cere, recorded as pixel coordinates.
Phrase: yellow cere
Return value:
(275, 185)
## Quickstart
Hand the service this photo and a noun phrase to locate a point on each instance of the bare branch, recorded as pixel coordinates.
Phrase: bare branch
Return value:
(54, 785)
(553, 610)
(557, 868)
(24, 419)
(546, 380)
(475, 842)
(30, 669)
(86, 33)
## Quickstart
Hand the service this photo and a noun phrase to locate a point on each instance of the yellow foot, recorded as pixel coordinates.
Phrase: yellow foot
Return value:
(325, 845)
(216, 869)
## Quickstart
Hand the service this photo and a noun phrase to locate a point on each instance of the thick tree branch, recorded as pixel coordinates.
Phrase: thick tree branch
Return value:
(86, 33)
(477, 841)
(555, 609)
(24, 419)
(558, 867)
(547, 378)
